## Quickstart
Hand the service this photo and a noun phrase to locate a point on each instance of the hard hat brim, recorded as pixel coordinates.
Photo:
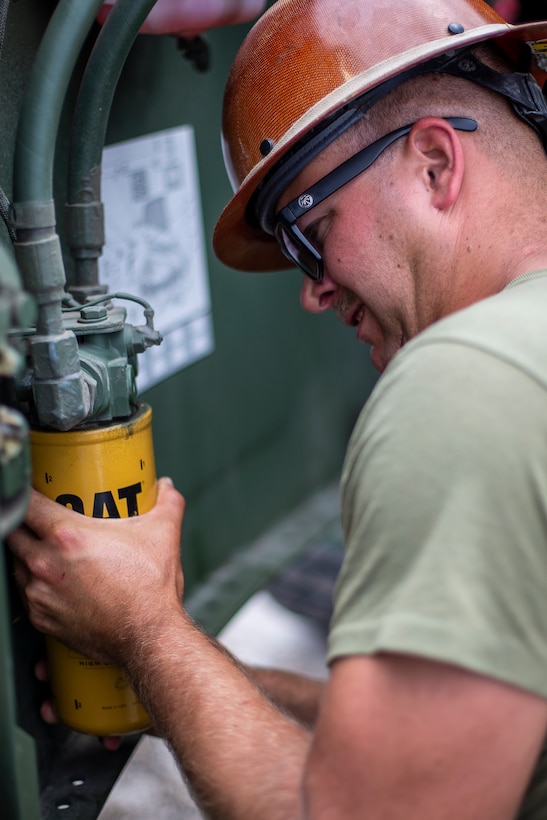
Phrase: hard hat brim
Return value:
(240, 245)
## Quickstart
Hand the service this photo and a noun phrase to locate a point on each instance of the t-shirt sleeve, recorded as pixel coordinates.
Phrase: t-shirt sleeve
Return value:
(445, 517)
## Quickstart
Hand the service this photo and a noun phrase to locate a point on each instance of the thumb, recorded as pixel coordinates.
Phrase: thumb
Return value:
(169, 501)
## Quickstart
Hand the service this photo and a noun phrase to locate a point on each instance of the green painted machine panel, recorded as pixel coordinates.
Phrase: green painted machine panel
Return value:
(250, 431)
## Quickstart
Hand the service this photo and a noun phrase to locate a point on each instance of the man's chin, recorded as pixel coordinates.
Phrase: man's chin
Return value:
(377, 362)
(380, 357)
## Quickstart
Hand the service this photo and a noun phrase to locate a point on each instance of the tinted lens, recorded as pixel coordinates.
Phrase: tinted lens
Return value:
(296, 248)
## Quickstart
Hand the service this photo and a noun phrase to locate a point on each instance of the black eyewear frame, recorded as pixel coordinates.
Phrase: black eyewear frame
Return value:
(294, 244)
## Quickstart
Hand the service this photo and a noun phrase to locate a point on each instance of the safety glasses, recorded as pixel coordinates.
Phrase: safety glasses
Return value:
(292, 241)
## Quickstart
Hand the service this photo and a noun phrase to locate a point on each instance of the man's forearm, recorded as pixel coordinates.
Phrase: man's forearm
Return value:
(244, 758)
(296, 694)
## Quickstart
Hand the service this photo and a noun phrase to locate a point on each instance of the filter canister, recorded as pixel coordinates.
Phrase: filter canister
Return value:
(104, 472)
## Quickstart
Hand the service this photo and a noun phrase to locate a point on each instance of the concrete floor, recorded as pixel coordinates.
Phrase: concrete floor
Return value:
(263, 633)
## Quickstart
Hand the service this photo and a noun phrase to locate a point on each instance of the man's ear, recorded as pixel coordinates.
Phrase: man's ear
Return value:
(437, 149)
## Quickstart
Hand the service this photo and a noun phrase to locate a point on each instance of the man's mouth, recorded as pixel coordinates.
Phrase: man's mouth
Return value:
(357, 316)
(353, 313)
(357, 319)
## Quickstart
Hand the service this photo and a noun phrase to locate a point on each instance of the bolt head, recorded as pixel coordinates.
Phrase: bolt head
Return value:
(94, 313)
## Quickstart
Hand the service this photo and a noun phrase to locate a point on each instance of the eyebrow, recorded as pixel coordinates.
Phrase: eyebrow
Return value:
(310, 231)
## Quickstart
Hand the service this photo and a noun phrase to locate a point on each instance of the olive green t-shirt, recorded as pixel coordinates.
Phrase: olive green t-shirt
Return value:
(444, 501)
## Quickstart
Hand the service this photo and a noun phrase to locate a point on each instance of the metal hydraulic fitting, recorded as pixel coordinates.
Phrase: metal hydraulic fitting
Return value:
(60, 392)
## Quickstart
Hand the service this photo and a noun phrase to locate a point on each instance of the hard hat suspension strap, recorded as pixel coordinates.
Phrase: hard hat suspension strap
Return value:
(522, 90)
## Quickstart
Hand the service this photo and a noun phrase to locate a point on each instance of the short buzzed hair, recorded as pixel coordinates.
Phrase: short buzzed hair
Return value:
(501, 132)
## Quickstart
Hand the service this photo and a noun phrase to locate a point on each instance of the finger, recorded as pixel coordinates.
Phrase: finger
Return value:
(20, 572)
(33, 561)
(166, 489)
(20, 542)
(42, 512)
(169, 503)
(41, 670)
(112, 742)
(48, 712)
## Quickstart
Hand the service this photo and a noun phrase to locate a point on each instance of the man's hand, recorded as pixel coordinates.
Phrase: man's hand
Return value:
(97, 584)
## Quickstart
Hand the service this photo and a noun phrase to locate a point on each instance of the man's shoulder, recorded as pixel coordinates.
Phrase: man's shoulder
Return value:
(492, 349)
(511, 326)
(481, 356)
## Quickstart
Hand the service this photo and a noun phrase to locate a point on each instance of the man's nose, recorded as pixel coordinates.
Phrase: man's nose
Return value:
(316, 297)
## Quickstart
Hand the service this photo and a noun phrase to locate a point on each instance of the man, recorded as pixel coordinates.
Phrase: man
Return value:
(383, 148)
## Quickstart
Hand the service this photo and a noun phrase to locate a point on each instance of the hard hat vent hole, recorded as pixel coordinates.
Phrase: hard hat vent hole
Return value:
(455, 28)
(266, 146)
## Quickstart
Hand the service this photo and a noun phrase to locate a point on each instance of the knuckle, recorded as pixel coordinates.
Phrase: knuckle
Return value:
(63, 537)
(38, 615)
(39, 566)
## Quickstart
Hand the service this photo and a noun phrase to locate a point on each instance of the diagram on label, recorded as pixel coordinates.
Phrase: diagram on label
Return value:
(155, 245)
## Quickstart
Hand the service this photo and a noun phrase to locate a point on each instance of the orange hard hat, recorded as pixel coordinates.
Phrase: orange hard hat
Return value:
(300, 69)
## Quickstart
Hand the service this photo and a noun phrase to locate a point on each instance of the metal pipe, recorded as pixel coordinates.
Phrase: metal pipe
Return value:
(60, 391)
(44, 97)
(85, 224)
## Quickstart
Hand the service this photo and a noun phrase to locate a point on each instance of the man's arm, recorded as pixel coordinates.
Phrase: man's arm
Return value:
(113, 590)
(296, 694)
(396, 737)
(412, 739)
(243, 757)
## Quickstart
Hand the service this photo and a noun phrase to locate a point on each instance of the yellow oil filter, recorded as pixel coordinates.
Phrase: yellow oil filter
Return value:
(104, 472)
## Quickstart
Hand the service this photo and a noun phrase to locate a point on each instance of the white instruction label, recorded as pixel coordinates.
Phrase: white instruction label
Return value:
(155, 246)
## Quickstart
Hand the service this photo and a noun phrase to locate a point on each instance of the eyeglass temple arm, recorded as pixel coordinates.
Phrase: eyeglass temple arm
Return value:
(357, 164)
